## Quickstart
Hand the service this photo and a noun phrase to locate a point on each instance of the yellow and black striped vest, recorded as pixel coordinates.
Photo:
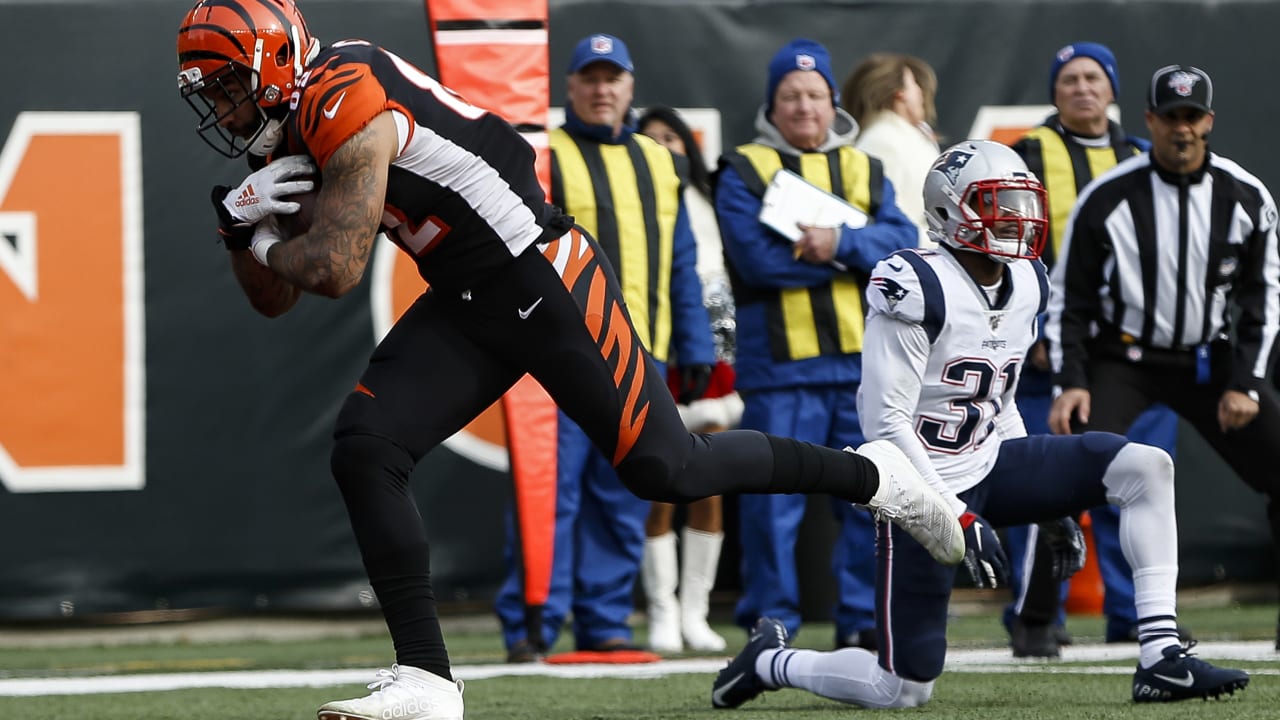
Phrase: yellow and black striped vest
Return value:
(628, 197)
(1065, 167)
(806, 322)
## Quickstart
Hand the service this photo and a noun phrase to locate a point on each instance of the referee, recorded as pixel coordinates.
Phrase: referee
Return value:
(1168, 290)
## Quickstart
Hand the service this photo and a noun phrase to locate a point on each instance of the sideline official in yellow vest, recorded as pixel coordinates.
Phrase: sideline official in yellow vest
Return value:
(800, 321)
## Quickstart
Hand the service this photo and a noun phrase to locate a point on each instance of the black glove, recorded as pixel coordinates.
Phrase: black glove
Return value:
(1065, 541)
(694, 380)
(983, 555)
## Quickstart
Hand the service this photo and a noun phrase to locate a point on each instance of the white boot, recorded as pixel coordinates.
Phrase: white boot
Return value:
(659, 574)
(701, 555)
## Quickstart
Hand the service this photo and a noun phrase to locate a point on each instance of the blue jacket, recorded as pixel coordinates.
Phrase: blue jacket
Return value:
(760, 259)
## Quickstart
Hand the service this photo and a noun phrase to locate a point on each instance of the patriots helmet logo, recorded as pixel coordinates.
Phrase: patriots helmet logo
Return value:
(893, 292)
(951, 164)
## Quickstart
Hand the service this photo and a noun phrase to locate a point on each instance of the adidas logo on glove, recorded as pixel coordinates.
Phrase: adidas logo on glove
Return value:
(247, 198)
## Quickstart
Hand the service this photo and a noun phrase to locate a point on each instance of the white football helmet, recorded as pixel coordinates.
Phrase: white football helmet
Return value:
(980, 196)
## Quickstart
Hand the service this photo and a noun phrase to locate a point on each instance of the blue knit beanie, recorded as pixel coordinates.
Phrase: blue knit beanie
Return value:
(1097, 52)
(799, 54)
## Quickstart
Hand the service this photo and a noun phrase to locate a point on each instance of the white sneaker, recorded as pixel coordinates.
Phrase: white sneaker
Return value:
(401, 693)
(912, 504)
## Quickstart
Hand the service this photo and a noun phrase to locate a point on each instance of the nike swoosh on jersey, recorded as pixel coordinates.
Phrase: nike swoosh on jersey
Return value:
(525, 313)
(895, 268)
(717, 695)
(332, 110)
(1187, 681)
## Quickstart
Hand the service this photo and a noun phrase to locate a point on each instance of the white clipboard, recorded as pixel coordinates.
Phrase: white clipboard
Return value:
(790, 200)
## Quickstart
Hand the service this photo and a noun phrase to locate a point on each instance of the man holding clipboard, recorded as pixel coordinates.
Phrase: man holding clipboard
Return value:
(798, 255)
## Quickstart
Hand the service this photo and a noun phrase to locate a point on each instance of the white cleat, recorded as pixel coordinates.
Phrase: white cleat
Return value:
(401, 693)
(912, 504)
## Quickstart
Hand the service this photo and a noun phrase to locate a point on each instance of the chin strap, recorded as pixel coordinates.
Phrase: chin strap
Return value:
(268, 138)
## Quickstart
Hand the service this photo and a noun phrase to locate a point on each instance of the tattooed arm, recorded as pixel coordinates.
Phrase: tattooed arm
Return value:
(330, 258)
(268, 293)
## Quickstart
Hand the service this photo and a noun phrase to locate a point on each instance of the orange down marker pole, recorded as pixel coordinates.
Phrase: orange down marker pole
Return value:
(494, 53)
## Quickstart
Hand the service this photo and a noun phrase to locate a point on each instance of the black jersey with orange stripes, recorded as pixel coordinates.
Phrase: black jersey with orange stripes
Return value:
(462, 197)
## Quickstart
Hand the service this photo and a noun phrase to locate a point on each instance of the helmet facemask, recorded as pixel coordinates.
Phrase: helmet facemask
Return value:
(236, 85)
(1004, 218)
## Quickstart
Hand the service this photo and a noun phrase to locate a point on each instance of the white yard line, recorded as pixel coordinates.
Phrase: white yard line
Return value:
(968, 661)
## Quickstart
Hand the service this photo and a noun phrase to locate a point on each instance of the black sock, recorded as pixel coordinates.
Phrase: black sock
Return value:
(801, 467)
(402, 582)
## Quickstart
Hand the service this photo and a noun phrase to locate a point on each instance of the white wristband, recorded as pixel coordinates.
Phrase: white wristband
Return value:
(260, 249)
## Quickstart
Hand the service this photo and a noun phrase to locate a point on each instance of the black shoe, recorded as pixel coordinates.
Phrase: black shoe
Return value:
(865, 639)
(1063, 635)
(523, 652)
(738, 681)
(1181, 676)
(1034, 641)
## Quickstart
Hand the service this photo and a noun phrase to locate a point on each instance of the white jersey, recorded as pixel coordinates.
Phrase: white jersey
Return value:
(941, 361)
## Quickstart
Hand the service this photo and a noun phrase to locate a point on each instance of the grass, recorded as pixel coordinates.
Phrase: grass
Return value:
(1037, 691)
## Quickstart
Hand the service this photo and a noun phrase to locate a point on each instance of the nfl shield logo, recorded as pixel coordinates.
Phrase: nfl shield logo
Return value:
(1183, 82)
(601, 45)
(805, 62)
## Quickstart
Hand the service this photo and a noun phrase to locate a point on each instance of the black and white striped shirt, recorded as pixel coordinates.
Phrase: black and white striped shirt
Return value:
(1160, 259)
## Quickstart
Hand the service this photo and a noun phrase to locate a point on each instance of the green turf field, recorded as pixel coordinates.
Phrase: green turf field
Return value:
(1027, 690)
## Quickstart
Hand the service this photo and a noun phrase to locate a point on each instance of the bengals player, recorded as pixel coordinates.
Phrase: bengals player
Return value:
(515, 289)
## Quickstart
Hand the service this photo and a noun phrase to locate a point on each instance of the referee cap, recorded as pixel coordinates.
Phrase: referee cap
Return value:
(1175, 86)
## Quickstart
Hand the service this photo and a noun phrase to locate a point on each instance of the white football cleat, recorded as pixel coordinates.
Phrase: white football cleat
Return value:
(912, 504)
(401, 693)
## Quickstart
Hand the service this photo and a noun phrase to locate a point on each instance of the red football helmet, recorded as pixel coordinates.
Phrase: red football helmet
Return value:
(238, 51)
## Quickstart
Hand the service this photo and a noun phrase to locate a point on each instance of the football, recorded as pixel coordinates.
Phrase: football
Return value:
(299, 222)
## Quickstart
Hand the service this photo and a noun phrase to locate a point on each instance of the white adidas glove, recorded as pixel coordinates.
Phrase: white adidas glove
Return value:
(259, 195)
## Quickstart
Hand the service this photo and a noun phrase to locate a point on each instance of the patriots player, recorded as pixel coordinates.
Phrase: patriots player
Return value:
(946, 338)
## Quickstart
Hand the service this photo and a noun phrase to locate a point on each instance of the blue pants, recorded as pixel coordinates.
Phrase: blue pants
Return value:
(914, 590)
(599, 541)
(823, 415)
(1157, 426)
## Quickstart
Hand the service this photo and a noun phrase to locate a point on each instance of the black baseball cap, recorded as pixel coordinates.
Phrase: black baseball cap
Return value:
(1175, 86)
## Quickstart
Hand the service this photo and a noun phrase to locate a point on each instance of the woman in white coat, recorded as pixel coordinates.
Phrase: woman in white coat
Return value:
(891, 97)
